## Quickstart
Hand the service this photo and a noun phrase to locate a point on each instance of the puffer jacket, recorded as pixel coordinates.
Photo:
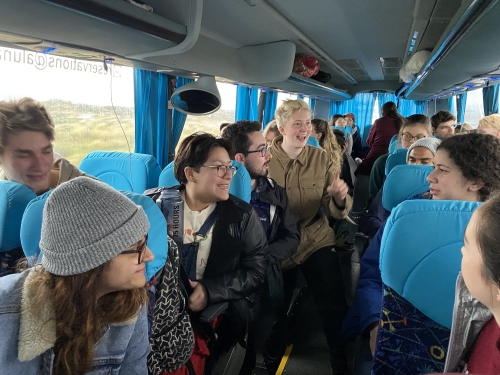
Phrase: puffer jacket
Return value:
(469, 318)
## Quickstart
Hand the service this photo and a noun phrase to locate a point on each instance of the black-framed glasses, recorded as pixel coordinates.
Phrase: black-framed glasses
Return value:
(140, 250)
(222, 169)
(263, 151)
(408, 137)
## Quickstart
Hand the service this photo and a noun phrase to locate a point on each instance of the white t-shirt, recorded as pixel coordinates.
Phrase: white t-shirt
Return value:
(193, 220)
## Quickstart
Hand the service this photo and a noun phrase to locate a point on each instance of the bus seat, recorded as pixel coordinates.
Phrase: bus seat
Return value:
(14, 197)
(31, 230)
(157, 234)
(122, 170)
(394, 144)
(241, 184)
(366, 133)
(312, 141)
(398, 157)
(403, 183)
(419, 260)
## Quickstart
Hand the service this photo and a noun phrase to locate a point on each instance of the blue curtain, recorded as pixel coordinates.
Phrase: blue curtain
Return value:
(490, 100)
(151, 114)
(300, 96)
(247, 103)
(363, 110)
(179, 118)
(452, 105)
(269, 108)
(410, 107)
(384, 98)
(312, 105)
(462, 101)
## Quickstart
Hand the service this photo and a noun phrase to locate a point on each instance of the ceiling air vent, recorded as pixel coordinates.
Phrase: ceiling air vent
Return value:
(390, 67)
(355, 68)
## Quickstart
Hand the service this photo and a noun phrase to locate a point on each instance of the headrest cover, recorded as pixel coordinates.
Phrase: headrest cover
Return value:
(398, 157)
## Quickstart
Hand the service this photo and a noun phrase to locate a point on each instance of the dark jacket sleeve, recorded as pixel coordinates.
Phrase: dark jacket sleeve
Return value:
(287, 238)
(374, 217)
(367, 306)
(251, 270)
(357, 147)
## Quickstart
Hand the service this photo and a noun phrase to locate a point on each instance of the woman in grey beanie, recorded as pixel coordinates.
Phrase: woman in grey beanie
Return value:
(82, 310)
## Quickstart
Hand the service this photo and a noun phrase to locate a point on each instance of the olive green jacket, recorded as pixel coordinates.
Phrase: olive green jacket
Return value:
(305, 180)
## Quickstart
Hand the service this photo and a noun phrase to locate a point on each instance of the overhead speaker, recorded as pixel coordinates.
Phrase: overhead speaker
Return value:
(197, 98)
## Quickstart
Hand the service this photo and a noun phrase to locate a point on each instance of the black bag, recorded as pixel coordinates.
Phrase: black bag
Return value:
(322, 76)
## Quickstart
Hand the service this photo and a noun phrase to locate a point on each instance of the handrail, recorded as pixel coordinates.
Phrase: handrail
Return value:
(476, 10)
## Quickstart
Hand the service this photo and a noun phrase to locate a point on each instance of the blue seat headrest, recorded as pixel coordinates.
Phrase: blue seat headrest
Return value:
(123, 170)
(31, 230)
(398, 157)
(241, 184)
(312, 141)
(420, 253)
(403, 183)
(394, 144)
(14, 197)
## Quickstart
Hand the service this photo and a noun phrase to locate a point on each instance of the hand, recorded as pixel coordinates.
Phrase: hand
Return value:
(198, 299)
(358, 161)
(373, 339)
(338, 190)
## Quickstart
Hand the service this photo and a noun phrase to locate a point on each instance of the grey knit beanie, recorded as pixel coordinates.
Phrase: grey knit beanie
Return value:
(429, 143)
(85, 224)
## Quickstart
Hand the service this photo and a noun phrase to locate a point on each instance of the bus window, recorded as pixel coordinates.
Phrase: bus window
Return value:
(78, 97)
(284, 96)
(474, 108)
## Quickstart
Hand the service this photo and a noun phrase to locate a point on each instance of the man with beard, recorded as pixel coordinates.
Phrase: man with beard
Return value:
(271, 203)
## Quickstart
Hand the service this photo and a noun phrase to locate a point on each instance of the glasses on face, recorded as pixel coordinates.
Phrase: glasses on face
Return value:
(263, 151)
(408, 137)
(222, 169)
(139, 250)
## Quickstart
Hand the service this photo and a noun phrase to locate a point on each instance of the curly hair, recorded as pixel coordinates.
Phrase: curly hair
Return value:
(80, 315)
(328, 141)
(21, 115)
(478, 157)
(442, 116)
(288, 108)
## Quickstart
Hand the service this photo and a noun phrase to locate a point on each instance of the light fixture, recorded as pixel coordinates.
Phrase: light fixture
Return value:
(197, 98)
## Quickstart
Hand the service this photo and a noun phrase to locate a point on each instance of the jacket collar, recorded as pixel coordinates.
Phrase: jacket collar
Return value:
(282, 156)
(268, 193)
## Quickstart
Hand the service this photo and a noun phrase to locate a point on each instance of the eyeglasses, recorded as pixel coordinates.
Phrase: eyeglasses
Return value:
(139, 250)
(408, 137)
(263, 151)
(222, 169)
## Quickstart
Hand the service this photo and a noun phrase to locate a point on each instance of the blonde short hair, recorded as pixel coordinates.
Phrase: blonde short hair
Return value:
(21, 115)
(287, 108)
(491, 121)
(271, 127)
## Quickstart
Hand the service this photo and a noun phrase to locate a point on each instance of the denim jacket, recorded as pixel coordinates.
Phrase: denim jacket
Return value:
(28, 338)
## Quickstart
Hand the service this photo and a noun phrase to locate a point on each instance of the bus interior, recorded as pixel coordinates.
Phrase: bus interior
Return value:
(361, 47)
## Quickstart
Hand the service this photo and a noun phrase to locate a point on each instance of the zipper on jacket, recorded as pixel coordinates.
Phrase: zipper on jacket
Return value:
(454, 324)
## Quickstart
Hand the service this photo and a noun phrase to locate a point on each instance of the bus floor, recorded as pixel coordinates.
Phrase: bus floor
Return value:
(308, 352)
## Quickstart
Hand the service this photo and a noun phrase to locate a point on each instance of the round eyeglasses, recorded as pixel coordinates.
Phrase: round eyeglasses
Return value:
(222, 169)
(140, 250)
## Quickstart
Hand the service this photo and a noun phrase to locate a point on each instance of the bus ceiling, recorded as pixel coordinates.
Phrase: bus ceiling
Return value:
(362, 44)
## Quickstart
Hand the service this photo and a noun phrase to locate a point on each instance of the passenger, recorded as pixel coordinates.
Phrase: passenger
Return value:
(27, 156)
(341, 122)
(271, 204)
(232, 258)
(443, 124)
(466, 168)
(315, 191)
(222, 127)
(420, 153)
(380, 136)
(346, 173)
(82, 311)
(490, 125)
(474, 344)
(270, 132)
(414, 127)
(357, 146)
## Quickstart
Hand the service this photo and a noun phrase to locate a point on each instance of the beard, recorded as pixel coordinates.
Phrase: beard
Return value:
(254, 174)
